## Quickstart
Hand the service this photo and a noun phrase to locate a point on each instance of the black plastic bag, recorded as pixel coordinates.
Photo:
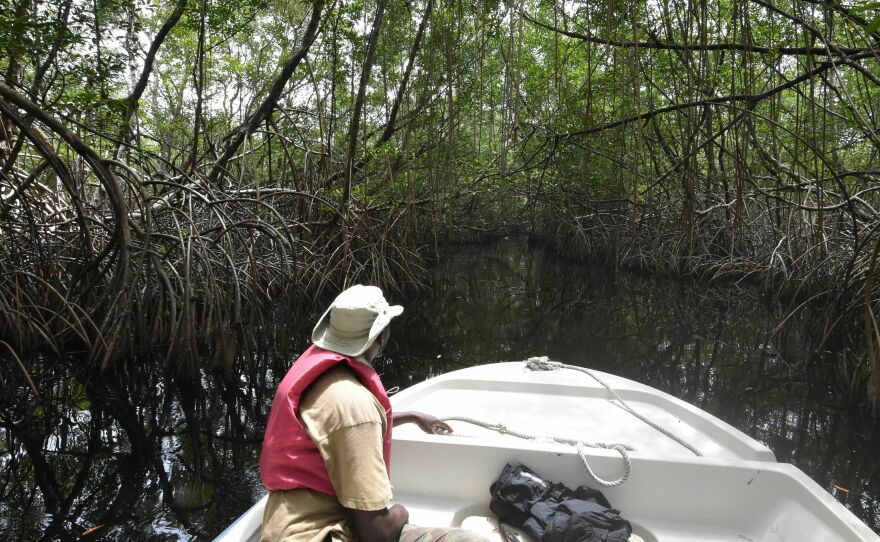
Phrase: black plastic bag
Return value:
(551, 512)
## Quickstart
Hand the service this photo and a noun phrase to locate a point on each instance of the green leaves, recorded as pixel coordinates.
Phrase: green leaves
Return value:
(81, 399)
(873, 17)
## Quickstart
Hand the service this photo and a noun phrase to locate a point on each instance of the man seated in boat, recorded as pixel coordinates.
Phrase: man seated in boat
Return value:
(326, 451)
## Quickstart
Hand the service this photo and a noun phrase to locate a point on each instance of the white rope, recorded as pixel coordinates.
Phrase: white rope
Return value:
(544, 364)
(580, 445)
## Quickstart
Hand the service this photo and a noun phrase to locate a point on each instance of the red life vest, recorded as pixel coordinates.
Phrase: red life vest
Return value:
(289, 459)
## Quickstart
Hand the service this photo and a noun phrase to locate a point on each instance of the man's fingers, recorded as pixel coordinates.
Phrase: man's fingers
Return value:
(443, 426)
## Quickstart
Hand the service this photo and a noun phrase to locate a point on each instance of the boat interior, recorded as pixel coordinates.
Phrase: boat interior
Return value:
(734, 490)
(446, 481)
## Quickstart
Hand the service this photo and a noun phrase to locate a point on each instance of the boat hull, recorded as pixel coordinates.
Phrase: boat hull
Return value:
(733, 491)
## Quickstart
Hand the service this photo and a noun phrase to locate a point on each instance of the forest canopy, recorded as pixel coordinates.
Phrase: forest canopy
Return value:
(168, 170)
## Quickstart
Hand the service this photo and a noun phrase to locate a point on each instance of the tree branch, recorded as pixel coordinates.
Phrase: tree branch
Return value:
(131, 102)
(359, 103)
(401, 91)
(239, 134)
(688, 47)
(751, 99)
(122, 235)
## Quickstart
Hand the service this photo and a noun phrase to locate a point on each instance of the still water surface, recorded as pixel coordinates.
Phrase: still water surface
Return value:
(712, 346)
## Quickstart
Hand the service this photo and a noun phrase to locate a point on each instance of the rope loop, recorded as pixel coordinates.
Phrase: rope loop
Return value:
(622, 449)
(627, 464)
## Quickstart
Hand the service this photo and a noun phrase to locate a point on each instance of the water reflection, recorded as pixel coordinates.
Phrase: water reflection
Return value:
(152, 455)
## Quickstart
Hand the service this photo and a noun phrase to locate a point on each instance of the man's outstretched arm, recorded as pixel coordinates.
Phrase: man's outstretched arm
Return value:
(426, 422)
(379, 525)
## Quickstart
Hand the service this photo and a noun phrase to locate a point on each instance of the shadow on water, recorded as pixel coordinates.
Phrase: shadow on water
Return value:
(153, 457)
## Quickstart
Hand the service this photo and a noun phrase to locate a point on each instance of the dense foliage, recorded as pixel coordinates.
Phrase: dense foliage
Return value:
(171, 172)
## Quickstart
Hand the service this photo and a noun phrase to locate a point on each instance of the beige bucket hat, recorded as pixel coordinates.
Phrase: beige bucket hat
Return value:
(355, 318)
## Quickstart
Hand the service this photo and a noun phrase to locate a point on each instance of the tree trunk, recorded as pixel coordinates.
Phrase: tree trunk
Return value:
(359, 105)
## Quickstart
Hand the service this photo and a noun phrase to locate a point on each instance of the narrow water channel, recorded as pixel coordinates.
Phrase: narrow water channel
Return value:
(713, 346)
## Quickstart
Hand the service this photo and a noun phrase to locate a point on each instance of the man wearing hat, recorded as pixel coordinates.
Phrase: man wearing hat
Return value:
(326, 451)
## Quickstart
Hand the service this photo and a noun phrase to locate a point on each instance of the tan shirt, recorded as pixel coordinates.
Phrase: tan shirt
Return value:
(347, 424)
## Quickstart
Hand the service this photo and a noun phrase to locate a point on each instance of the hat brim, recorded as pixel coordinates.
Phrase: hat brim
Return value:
(324, 337)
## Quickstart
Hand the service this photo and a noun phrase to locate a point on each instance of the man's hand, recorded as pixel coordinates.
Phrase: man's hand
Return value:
(429, 424)
(380, 525)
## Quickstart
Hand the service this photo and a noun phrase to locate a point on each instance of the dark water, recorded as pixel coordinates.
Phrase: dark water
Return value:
(713, 347)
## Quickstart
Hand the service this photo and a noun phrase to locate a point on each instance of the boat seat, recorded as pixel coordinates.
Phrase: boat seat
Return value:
(488, 527)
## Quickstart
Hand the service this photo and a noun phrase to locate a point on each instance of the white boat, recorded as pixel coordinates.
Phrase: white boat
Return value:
(691, 476)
